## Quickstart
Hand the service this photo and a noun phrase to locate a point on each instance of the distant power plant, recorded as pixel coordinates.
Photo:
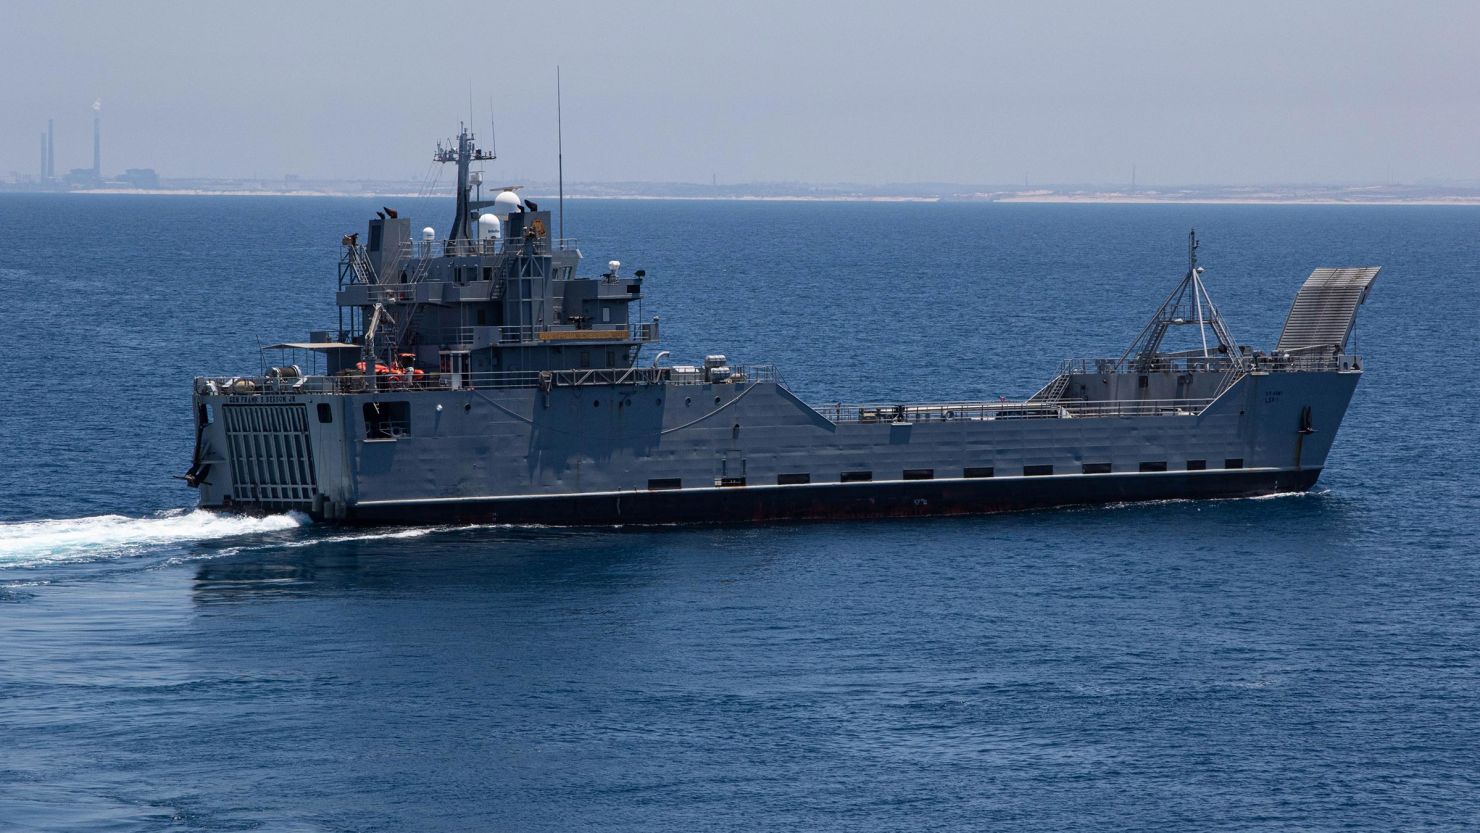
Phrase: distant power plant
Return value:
(98, 139)
(88, 177)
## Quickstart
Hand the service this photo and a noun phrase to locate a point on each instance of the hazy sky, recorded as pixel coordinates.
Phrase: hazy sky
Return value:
(872, 92)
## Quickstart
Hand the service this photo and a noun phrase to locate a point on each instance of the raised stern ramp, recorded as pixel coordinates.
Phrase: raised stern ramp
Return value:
(1326, 308)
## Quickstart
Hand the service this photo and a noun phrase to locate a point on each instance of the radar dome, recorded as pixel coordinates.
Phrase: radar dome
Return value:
(507, 202)
(429, 233)
(488, 226)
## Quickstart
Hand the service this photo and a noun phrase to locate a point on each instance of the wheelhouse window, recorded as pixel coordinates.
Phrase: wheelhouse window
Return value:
(1159, 465)
(1096, 468)
(856, 477)
(793, 479)
(919, 474)
(1037, 471)
(978, 471)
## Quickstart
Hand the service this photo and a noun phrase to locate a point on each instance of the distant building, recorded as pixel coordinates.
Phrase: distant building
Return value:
(140, 178)
(83, 178)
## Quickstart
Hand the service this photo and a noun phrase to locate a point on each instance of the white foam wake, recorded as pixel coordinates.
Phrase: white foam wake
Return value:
(32, 543)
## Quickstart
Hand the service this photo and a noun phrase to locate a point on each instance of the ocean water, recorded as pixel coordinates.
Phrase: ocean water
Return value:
(1300, 662)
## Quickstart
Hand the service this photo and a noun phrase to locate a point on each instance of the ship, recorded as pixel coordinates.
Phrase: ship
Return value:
(483, 377)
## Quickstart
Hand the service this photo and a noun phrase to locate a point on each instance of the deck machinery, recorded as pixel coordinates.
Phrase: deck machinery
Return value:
(479, 378)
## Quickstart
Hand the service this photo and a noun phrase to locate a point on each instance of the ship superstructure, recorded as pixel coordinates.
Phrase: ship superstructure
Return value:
(479, 377)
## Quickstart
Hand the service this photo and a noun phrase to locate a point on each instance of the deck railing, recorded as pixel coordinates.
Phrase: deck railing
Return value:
(468, 337)
(976, 411)
(348, 383)
(1289, 363)
(468, 248)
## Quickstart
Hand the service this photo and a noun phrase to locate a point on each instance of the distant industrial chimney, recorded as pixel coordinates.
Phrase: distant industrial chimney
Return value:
(51, 149)
(42, 175)
(97, 139)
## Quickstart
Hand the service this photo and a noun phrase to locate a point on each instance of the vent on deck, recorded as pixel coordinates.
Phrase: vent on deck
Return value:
(1325, 308)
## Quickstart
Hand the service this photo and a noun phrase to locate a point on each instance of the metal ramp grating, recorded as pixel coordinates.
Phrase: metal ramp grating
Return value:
(1325, 308)
(271, 458)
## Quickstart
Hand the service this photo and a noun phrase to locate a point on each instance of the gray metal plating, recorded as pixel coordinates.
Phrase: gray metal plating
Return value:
(479, 378)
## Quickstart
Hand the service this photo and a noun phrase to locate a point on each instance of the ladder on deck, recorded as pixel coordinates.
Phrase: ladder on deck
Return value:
(1053, 391)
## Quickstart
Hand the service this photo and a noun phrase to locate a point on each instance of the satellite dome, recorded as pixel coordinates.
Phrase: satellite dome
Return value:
(507, 202)
(429, 233)
(488, 226)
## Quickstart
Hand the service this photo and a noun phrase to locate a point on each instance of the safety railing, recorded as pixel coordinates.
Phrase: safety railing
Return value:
(410, 381)
(472, 248)
(977, 411)
(355, 260)
(645, 331)
(1287, 363)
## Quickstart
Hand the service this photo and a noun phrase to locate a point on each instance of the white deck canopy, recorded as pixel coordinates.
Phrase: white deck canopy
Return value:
(311, 345)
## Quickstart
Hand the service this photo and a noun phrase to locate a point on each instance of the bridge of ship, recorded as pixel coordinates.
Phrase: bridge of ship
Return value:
(1134, 384)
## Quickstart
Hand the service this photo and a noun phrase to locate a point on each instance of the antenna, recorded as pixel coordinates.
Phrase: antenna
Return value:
(1188, 304)
(560, 154)
(492, 131)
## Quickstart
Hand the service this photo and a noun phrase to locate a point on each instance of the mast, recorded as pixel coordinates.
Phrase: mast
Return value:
(1186, 305)
(560, 153)
(464, 154)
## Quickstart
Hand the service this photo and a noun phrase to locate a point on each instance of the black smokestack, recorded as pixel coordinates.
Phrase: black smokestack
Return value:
(97, 140)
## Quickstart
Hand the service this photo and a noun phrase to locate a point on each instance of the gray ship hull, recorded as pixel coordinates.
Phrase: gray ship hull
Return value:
(744, 452)
(480, 378)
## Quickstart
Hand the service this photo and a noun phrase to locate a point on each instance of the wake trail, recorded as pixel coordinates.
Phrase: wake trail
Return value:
(105, 537)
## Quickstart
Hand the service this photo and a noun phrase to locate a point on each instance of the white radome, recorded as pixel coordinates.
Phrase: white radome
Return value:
(488, 226)
(507, 202)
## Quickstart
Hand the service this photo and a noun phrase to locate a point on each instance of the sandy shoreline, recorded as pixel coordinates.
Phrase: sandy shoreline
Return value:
(1023, 198)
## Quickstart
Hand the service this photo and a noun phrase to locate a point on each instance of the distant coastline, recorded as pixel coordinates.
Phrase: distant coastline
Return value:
(1208, 195)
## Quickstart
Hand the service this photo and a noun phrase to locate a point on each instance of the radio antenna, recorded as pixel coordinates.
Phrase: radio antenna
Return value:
(492, 130)
(560, 155)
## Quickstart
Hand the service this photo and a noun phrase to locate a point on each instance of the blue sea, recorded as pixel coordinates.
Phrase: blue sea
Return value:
(1294, 663)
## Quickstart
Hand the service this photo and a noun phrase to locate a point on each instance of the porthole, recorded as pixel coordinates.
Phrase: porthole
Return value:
(716, 400)
(688, 400)
(596, 404)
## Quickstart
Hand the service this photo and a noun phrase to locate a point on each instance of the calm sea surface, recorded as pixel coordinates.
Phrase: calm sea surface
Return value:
(1290, 663)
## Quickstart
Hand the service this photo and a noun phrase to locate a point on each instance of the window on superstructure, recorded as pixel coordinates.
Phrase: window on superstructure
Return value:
(1233, 463)
(919, 474)
(856, 477)
(1159, 465)
(1037, 471)
(660, 483)
(978, 471)
(1197, 465)
(326, 413)
(1096, 468)
(387, 420)
(793, 479)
